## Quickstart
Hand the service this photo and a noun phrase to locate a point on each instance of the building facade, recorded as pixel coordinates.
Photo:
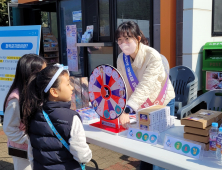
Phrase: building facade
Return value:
(178, 29)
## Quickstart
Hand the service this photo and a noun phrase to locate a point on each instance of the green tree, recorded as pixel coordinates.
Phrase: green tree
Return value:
(4, 12)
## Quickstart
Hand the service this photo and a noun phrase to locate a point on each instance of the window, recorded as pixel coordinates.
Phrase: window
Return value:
(45, 16)
(98, 56)
(216, 18)
(104, 18)
(67, 10)
(137, 11)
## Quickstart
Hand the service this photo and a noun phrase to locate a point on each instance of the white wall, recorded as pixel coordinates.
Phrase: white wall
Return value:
(197, 25)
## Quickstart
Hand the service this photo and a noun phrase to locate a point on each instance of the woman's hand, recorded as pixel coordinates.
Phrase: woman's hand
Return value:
(124, 120)
(22, 126)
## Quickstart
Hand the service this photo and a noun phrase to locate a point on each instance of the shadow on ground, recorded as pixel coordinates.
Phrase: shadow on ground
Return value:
(6, 165)
(131, 161)
(9, 166)
(91, 168)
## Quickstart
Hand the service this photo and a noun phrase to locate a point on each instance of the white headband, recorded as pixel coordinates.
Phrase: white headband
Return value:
(61, 68)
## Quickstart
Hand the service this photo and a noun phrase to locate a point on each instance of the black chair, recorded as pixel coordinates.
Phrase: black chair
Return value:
(185, 83)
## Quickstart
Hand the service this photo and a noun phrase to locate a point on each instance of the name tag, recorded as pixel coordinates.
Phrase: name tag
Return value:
(143, 136)
(182, 147)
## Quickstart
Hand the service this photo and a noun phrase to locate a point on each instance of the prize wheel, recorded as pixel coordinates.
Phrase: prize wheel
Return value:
(107, 92)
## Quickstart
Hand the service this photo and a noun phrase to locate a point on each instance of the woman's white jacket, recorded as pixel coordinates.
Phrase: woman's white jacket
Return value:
(149, 70)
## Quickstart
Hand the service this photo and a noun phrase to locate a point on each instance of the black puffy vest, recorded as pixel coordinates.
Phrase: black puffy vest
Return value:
(48, 152)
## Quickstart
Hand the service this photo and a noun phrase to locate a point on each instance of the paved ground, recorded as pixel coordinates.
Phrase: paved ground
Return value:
(106, 159)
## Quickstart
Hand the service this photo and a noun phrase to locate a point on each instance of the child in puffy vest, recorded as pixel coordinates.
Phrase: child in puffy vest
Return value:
(13, 126)
(47, 100)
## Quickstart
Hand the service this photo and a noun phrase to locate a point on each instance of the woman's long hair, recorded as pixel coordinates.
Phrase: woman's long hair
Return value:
(34, 94)
(130, 29)
(27, 65)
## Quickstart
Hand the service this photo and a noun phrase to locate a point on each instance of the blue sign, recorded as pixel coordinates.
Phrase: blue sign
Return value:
(15, 41)
(77, 16)
(16, 46)
(19, 33)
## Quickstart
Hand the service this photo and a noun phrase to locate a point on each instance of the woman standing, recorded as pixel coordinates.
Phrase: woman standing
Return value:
(144, 73)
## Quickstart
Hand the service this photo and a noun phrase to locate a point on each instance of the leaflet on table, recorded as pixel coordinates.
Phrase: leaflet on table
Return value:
(184, 147)
(143, 136)
(88, 114)
(72, 54)
(15, 41)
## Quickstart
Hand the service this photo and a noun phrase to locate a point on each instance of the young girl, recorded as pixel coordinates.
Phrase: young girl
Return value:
(50, 92)
(12, 126)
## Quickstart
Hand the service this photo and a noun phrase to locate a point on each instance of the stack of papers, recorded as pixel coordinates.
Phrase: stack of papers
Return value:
(88, 115)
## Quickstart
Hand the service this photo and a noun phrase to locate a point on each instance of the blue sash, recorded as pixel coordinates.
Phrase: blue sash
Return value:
(58, 135)
(133, 81)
